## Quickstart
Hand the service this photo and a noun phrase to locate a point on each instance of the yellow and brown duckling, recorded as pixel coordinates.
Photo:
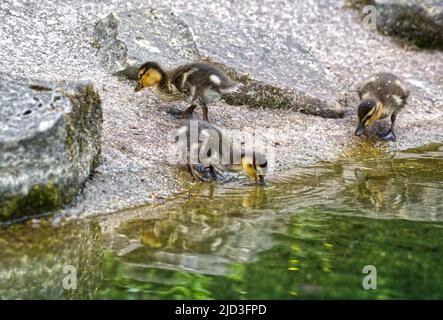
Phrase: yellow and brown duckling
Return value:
(212, 153)
(382, 95)
(200, 84)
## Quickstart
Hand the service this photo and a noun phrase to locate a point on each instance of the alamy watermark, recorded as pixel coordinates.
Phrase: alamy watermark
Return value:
(370, 280)
(70, 279)
(369, 17)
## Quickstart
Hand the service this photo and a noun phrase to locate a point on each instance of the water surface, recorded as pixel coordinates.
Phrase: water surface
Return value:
(306, 235)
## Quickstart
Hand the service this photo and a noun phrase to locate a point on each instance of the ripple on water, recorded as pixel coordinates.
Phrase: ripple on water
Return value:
(406, 184)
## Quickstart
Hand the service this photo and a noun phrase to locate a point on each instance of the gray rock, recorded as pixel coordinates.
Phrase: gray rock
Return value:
(276, 69)
(419, 22)
(50, 136)
(130, 38)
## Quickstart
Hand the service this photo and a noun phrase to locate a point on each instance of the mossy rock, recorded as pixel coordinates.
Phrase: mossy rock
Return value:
(50, 138)
(417, 22)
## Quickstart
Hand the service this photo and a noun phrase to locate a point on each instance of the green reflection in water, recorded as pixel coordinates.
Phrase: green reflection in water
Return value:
(305, 235)
(320, 256)
(35, 257)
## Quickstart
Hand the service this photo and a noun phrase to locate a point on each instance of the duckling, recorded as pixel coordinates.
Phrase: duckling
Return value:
(382, 95)
(255, 166)
(212, 153)
(197, 83)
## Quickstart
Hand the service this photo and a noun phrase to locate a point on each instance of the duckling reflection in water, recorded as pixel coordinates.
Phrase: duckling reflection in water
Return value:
(197, 83)
(256, 198)
(209, 153)
(372, 190)
(159, 233)
(382, 95)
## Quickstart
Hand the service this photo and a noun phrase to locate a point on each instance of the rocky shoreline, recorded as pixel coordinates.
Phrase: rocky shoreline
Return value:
(307, 57)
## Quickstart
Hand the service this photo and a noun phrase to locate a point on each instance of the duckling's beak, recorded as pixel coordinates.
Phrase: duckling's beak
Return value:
(138, 87)
(360, 129)
(261, 180)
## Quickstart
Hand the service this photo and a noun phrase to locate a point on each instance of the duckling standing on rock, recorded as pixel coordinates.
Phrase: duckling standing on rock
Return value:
(382, 95)
(197, 83)
(208, 152)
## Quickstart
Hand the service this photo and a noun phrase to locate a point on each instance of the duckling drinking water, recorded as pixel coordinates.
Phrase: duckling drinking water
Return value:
(209, 152)
(200, 84)
(382, 95)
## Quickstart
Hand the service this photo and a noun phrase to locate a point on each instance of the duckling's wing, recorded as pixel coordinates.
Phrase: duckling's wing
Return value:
(393, 86)
(398, 95)
(179, 76)
(202, 76)
(216, 78)
(401, 89)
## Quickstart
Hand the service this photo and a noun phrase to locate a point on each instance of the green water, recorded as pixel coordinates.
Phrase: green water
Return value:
(306, 235)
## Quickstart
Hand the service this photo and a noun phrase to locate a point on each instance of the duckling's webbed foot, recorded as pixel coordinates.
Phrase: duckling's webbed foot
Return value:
(206, 173)
(389, 136)
(178, 114)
